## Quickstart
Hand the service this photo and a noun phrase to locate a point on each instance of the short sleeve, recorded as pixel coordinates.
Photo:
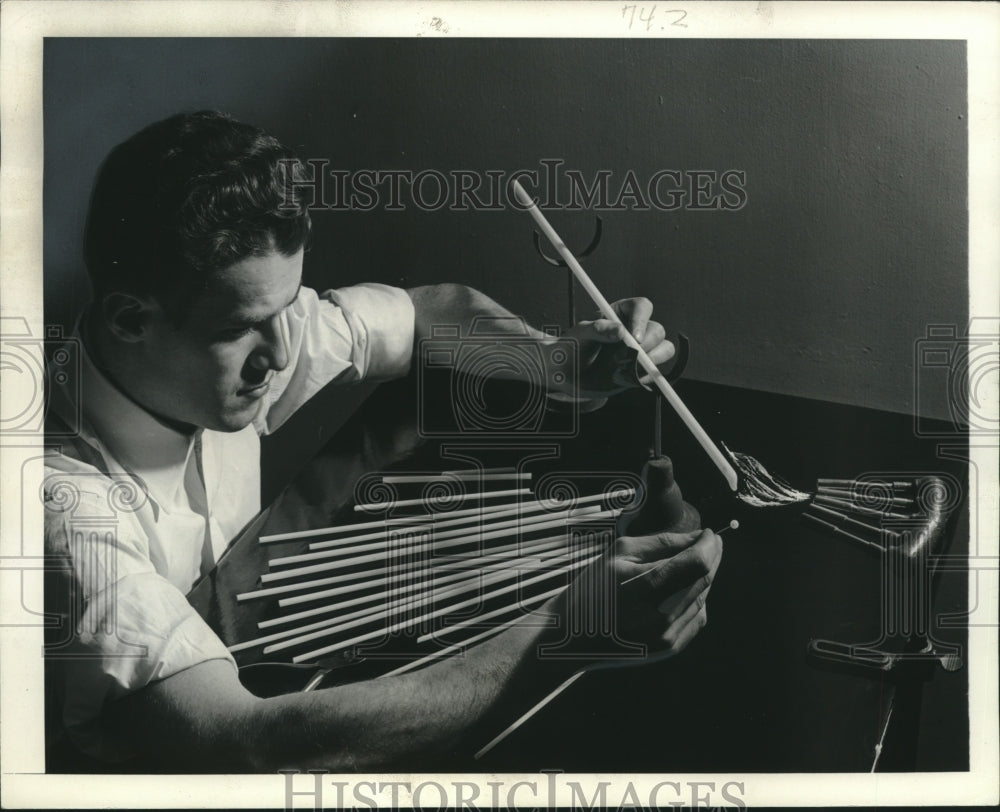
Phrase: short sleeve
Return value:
(122, 625)
(363, 332)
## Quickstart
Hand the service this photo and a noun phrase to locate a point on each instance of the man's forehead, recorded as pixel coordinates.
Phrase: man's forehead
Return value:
(254, 287)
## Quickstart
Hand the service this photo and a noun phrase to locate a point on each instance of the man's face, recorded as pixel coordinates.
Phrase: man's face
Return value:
(213, 370)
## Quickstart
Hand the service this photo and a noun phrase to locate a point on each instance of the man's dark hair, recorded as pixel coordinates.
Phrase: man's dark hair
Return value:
(188, 196)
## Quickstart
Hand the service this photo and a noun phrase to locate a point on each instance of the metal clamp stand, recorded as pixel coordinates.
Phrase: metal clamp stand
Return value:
(909, 536)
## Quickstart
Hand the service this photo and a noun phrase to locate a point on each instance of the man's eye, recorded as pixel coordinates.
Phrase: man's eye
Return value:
(239, 332)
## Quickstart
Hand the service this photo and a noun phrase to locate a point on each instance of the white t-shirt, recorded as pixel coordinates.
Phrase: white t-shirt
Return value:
(136, 512)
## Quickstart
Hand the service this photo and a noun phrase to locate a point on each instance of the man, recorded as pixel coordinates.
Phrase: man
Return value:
(200, 337)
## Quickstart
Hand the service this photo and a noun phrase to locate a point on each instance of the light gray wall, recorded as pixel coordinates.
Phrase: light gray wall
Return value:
(853, 238)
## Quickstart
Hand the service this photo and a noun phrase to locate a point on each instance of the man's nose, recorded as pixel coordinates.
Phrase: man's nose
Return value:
(272, 352)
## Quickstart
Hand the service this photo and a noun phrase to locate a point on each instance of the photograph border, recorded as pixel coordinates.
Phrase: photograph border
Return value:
(26, 24)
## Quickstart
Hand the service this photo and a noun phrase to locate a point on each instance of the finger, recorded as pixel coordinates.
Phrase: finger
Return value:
(654, 547)
(653, 337)
(662, 352)
(681, 606)
(677, 637)
(635, 314)
(695, 565)
(646, 380)
(607, 331)
(680, 603)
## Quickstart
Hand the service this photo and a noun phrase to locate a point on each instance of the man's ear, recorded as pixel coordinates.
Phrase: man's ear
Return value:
(127, 315)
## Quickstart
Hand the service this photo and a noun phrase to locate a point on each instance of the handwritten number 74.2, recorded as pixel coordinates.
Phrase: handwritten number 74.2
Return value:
(646, 14)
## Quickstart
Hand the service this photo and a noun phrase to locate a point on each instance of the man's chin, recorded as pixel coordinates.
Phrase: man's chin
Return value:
(236, 419)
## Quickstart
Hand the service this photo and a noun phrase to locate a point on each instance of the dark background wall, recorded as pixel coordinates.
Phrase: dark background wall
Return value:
(852, 240)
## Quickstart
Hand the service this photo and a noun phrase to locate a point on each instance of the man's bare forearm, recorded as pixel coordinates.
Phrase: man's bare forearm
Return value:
(461, 306)
(451, 304)
(203, 718)
(588, 360)
(397, 721)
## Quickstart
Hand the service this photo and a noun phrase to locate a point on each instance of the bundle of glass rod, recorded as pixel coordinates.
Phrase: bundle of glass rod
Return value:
(469, 556)
(864, 510)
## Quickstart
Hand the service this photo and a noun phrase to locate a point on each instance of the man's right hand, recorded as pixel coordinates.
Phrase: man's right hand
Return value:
(665, 606)
(661, 584)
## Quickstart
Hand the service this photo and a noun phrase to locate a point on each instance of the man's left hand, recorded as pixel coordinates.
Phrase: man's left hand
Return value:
(607, 364)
